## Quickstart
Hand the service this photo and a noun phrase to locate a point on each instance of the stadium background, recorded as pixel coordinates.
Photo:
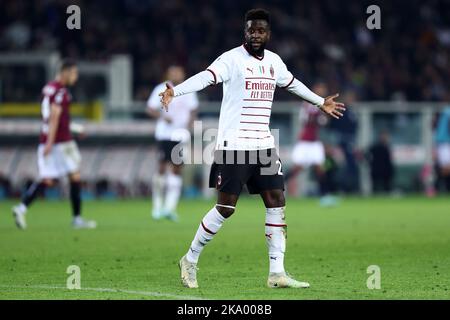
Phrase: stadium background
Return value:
(395, 80)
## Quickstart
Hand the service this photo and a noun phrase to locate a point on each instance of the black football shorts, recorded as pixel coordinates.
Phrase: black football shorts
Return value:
(170, 151)
(260, 170)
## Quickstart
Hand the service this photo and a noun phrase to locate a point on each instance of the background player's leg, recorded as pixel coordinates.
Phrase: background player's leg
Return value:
(33, 191)
(75, 201)
(158, 184)
(326, 198)
(75, 195)
(27, 199)
(292, 172)
(275, 228)
(321, 180)
(174, 188)
(290, 179)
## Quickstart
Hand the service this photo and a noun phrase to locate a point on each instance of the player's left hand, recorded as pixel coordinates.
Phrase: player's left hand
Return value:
(167, 96)
(333, 108)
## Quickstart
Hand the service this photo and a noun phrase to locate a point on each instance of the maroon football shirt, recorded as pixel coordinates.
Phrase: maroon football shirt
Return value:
(310, 130)
(55, 92)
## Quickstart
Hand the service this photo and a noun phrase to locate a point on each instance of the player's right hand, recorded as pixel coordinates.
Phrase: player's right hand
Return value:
(47, 149)
(167, 96)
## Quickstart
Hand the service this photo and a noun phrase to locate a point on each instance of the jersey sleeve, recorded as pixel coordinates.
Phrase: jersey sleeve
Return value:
(50, 92)
(285, 77)
(221, 68)
(193, 101)
(154, 102)
(58, 98)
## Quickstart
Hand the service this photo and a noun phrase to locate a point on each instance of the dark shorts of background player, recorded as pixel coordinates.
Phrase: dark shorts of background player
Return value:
(260, 170)
(165, 148)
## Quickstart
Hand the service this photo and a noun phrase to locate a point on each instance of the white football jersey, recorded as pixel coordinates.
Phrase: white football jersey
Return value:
(179, 113)
(249, 84)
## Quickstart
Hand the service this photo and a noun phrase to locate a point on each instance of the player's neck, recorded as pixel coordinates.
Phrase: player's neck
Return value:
(257, 54)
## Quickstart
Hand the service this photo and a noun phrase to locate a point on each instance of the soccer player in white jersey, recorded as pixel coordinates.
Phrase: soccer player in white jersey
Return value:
(171, 131)
(249, 74)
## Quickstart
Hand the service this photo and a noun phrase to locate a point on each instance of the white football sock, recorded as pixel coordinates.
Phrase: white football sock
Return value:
(209, 226)
(77, 219)
(21, 208)
(174, 186)
(158, 182)
(276, 238)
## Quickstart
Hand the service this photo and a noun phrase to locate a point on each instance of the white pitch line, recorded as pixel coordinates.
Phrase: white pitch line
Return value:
(142, 293)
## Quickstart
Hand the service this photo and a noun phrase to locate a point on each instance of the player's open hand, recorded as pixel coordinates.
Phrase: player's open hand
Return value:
(167, 96)
(333, 108)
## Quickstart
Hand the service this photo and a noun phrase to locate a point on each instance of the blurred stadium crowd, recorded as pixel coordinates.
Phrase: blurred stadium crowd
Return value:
(321, 41)
(409, 60)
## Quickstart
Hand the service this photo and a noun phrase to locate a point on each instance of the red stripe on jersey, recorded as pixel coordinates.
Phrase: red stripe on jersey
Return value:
(255, 122)
(258, 138)
(275, 225)
(267, 108)
(207, 230)
(214, 75)
(257, 100)
(255, 115)
(261, 78)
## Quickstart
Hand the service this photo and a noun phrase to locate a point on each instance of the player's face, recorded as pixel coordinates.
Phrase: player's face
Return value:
(175, 75)
(72, 76)
(257, 33)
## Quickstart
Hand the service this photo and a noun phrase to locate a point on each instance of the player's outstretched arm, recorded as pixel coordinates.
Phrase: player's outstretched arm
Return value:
(195, 83)
(328, 105)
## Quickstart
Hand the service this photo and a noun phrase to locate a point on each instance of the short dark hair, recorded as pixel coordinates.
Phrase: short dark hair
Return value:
(257, 14)
(67, 64)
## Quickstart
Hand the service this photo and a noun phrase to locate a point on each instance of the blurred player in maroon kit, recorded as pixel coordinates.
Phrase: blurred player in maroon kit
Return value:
(58, 154)
(309, 151)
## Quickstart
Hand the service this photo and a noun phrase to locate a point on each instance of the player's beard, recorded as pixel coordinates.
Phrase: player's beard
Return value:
(259, 52)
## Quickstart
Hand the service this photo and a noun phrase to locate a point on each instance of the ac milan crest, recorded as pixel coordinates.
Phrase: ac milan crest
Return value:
(219, 179)
(272, 72)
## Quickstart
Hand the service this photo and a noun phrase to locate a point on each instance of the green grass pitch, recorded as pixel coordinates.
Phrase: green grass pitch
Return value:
(130, 256)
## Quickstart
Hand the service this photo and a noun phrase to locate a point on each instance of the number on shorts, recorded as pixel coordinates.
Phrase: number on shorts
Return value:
(279, 168)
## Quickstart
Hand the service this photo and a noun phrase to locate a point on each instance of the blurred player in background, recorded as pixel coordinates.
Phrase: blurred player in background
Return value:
(381, 164)
(58, 154)
(250, 75)
(344, 132)
(171, 130)
(309, 151)
(442, 139)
